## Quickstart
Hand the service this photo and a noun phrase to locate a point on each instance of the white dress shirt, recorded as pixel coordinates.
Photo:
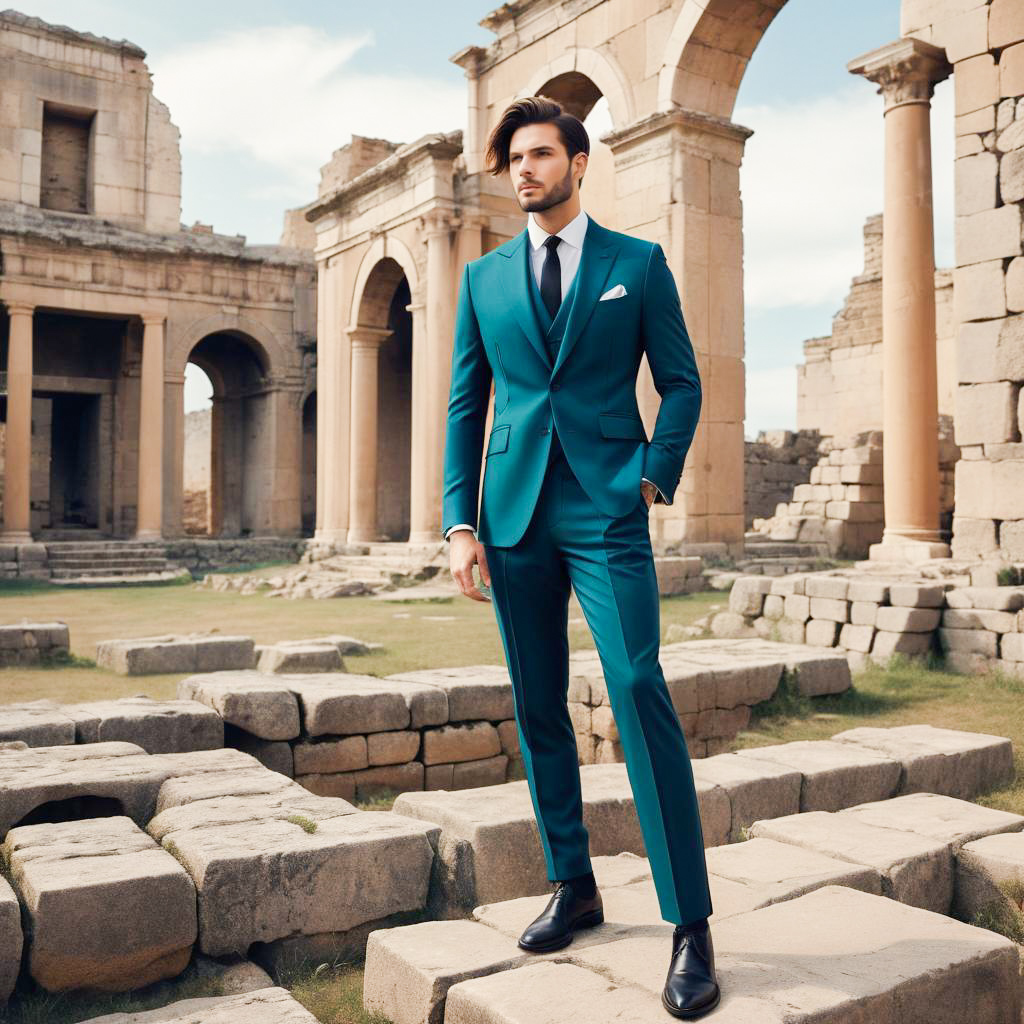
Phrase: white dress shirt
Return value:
(569, 251)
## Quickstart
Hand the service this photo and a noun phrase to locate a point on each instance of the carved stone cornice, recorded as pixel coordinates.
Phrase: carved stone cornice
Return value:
(905, 71)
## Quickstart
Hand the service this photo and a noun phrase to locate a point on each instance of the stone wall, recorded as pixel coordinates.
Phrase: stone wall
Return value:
(989, 78)
(775, 463)
(839, 384)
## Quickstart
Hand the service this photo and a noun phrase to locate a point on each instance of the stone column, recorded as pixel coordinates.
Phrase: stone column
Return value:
(366, 342)
(677, 183)
(906, 72)
(419, 510)
(149, 501)
(434, 380)
(18, 445)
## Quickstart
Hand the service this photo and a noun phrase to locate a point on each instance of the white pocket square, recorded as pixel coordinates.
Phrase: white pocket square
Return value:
(613, 293)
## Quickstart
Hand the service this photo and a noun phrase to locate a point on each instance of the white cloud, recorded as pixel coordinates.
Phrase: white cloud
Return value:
(811, 174)
(771, 400)
(284, 96)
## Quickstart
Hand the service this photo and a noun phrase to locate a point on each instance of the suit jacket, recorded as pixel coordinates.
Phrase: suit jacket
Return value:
(588, 393)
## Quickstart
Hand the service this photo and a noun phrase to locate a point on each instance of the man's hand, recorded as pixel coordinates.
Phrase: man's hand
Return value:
(465, 550)
(649, 491)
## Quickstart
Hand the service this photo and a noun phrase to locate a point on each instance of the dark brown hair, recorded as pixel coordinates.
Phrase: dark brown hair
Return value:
(534, 110)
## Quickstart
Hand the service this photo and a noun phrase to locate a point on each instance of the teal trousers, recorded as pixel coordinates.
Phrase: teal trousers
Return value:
(609, 563)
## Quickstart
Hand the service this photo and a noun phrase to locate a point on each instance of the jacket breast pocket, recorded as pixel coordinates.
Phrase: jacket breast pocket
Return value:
(498, 441)
(621, 425)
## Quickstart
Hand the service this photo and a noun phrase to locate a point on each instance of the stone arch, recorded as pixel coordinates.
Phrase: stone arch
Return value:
(584, 64)
(382, 248)
(720, 34)
(265, 344)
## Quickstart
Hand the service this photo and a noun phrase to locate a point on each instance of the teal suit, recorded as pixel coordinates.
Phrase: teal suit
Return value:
(562, 506)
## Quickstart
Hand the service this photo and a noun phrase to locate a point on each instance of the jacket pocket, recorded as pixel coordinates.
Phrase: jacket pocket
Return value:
(498, 441)
(621, 424)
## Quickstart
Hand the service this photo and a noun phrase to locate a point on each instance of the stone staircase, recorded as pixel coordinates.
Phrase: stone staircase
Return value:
(92, 562)
(770, 557)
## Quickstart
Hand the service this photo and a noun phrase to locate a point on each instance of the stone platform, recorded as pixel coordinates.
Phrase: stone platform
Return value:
(271, 1005)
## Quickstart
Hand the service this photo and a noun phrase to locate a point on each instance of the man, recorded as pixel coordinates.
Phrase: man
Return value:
(559, 317)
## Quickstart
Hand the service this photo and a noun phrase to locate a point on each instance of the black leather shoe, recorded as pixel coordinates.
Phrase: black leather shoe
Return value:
(565, 913)
(690, 988)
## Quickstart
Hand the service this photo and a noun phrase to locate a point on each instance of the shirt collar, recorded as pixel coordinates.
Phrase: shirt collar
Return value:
(572, 234)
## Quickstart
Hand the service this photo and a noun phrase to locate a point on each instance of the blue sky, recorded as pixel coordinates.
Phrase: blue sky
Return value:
(264, 92)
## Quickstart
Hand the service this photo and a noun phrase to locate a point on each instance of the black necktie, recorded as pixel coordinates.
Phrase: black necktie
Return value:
(551, 277)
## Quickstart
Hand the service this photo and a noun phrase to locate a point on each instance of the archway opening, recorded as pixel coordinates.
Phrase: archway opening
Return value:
(227, 447)
(308, 482)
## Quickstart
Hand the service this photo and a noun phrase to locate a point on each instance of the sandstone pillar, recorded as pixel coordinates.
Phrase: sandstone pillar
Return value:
(18, 445)
(677, 183)
(434, 378)
(366, 342)
(906, 72)
(333, 410)
(149, 501)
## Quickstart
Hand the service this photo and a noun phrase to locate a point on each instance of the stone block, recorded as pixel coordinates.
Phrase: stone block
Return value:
(887, 643)
(105, 907)
(11, 940)
(936, 816)
(797, 608)
(300, 657)
(341, 704)
(755, 788)
(158, 726)
(303, 864)
(1011, 648)
(946, 761)
(267, 1005)
(473, 691)
(912, 869)
(273, 754)
(822, 633)
(856, 638)
(990, 351)
(160, 655)
(979, 619)
(863, 613)
(262, 707)
(747, 595)
(986, 413)
(907, 620)
(874, 591)
(829, 608)
(982, 867)
(917, 595)
(972, 641)
(832, 587)
(393, 747)
(463, 742)
(325, 756)
(38, 723)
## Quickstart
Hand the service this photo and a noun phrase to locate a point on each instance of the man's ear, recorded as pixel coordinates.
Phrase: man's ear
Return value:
(580, 165)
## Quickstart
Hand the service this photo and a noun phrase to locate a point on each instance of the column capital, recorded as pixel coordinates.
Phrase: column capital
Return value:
(905, 71)
(362, 336)
(691, 122)
(16, 308)
(434, 222)
(154, 319)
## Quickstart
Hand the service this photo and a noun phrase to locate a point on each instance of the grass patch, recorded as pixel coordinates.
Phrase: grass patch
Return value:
(1004, 916)
(306, 824)
(31, 1005)
(331, 990)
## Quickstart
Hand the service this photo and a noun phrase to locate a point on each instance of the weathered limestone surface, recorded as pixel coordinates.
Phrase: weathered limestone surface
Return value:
(781, 964)
(264, 707)
(270, 1005)
(835, 775)
(756, 789)
(197, 652)
(949, 761)
(299, 656)
(105, 907)
(158, 726)
(121, 772)
(268, 867)
(31, 643)
(939, 817)
(473, 691)
(913, 869)
(982, 865)
(11, 941)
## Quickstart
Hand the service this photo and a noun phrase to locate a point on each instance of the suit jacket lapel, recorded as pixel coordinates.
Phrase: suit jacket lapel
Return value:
(596, 261)
(517, 287)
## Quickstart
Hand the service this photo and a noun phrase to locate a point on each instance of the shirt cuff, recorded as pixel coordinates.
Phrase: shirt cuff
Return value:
(459, 526)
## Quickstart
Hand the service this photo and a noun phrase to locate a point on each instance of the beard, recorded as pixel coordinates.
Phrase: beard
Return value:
(559, 193)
